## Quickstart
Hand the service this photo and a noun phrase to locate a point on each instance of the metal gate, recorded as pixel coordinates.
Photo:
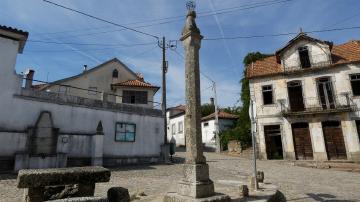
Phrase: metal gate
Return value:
(334, 140)
(302, 141)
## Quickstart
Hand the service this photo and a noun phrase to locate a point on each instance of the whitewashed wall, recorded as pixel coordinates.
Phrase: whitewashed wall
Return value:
(18, 113)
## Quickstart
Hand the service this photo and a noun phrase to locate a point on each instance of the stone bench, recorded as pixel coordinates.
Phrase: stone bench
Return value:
(39, 181)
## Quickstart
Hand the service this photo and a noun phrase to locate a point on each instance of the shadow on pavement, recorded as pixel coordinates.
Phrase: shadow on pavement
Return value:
(322, 198)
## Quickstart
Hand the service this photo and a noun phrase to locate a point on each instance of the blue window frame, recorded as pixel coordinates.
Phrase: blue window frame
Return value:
(125, 132)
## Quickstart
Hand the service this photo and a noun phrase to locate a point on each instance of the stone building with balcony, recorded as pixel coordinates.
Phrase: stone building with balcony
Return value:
(307, 99)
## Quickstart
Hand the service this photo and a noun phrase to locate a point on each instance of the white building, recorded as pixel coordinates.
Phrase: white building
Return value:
(307, 98)
(53, 129)
(176, 127)
(112, 80)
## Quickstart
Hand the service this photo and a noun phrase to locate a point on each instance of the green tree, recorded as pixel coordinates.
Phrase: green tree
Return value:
(207, 109)
(242, 129)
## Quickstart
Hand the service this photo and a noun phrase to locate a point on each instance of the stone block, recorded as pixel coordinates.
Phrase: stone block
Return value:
(243, 191)
(118, 194)
(198, 189)
(61, 176)
(260, 176)
(34, 194)
(196, 172)
(175, 197)
(234, 146)
(82, 199)
(252, 183)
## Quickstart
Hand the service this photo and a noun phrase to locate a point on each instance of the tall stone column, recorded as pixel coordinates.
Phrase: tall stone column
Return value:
(196, 184)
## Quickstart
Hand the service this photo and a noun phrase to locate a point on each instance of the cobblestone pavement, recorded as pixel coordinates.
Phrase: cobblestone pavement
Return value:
(296, 183)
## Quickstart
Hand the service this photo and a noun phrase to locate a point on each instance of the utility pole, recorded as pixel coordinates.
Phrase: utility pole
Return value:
(217, 140)
(165, 149)
(164, 70)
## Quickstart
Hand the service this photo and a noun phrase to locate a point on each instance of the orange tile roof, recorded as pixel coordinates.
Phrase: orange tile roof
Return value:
(135, 83)
(341, 54)
(179, 107)
(221, 115)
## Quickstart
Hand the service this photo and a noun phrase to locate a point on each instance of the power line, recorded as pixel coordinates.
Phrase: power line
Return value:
(100, 19)
(343, 20)
(280, 34)
(96, 49)
(180, 17)
(89, 44)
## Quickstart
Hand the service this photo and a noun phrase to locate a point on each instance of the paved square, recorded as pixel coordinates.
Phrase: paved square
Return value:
(296, 183)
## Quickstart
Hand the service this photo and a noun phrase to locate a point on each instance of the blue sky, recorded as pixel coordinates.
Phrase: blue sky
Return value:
(221, 60)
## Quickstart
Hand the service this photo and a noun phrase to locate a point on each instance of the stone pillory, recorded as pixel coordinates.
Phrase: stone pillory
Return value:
(196, 184)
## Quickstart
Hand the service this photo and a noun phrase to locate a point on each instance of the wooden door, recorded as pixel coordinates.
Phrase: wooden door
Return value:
(334, 140)
(273, 142)
(302, 141)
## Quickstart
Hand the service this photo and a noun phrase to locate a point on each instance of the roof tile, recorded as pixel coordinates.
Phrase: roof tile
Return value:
(340, 54)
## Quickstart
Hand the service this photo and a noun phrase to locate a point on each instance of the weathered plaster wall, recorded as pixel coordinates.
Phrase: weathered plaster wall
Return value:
(271, 114)
(319, 53)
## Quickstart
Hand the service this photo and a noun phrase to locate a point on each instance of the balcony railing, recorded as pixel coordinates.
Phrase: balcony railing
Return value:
(314, 105)
(316, 61)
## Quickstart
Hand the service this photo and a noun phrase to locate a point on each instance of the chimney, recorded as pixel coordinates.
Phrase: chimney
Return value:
(85, 68)
(29, 75)
(212, 101)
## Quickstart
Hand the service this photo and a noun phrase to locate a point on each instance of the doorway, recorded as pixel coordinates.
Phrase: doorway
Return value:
(302, 141)
(295, 96)
(326, 94)
(334, 140)
(274, 149)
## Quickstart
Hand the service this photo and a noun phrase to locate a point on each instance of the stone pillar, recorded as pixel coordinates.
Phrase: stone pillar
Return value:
(351, 138)
(196, 183)
(97, 146)
(318, 141)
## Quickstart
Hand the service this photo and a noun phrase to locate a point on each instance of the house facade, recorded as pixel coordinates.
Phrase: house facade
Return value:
(176, 134)
(112, 81)
(47, 128)
(307, 101)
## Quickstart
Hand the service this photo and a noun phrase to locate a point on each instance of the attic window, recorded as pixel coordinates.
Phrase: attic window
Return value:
(267, 92)
(115, 74)
(355, 84)
(304, 57)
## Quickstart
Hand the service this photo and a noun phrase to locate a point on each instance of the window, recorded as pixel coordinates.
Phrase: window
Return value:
(180, 127)
(125, 132)
(206, 124)
(267, 92)
(115, 73)
(355, 84)
(62, 89)
(304, 57)
(173, 129)
(92, 91)
(135, 97)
